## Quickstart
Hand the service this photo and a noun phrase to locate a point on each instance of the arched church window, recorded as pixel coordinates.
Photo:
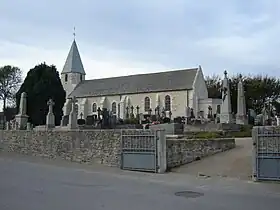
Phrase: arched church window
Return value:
(167, 103)
(81, 77)
(66, 77)
(147, 104)
(94, 107)
(114, 108)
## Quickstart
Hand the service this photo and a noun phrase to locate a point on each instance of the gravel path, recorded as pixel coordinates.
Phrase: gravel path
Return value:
(236, 163)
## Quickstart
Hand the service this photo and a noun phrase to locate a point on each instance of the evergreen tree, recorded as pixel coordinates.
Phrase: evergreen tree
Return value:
(42, 83)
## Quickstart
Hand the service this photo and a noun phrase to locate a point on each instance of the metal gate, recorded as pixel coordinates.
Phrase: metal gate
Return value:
(143, 150)
(266, 153)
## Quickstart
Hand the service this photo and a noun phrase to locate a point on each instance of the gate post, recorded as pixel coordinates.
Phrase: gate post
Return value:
(161, 151)
(254, 153)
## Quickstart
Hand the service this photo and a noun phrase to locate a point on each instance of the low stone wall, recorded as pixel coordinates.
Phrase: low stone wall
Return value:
(183, 151)
(101, 146)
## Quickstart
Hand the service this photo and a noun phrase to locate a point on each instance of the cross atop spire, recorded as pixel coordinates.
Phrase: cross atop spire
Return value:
(74, 32)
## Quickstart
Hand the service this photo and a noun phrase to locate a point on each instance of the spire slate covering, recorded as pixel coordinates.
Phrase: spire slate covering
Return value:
(73, 63)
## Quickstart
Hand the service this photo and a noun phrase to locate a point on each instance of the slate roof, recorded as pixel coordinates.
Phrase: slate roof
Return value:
(140, 83)
(73, 63)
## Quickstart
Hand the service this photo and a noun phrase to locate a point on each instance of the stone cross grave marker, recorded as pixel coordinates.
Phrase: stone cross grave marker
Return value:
(50, 121)
(50, 104)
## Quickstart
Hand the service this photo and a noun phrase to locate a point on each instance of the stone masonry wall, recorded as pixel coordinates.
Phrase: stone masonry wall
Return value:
(100, 146)
(183, 151)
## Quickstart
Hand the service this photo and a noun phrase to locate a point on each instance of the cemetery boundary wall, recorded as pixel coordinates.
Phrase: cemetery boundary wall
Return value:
(101, 146)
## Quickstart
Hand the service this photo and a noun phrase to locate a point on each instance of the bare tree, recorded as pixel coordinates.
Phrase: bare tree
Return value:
(10, 80)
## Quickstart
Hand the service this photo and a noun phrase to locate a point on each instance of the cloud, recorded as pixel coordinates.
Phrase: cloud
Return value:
(110, 64)
(130, 36)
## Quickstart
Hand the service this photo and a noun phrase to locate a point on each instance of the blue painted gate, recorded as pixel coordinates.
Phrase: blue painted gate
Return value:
(143, 150)
(266, 153)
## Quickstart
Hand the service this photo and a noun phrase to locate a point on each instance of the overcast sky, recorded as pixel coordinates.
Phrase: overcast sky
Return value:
(120, 37)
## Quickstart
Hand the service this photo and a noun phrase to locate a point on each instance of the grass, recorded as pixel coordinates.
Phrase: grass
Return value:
(245, 131)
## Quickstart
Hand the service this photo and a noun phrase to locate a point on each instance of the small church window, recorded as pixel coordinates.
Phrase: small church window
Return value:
(81, 77)
(167, 102)
(147, 104)
(66, 77)
(114, 108)
(94, 107)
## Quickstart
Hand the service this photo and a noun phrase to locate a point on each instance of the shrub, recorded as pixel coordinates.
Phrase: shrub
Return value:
(131, 121)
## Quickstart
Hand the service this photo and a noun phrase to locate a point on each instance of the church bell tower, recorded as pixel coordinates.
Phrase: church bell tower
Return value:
(73, 71)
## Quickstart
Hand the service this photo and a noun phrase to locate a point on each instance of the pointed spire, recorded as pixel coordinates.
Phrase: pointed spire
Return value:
(73, 63)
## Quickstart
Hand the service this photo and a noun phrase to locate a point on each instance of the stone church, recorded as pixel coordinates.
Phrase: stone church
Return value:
(173, 91)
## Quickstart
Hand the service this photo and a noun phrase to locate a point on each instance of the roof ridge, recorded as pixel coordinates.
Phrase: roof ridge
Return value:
(152, 82)
(146, 74)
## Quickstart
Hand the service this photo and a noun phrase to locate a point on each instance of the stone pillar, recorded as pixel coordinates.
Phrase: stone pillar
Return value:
(241, 117)
(50, 121)
(226, 112)
(22, 117)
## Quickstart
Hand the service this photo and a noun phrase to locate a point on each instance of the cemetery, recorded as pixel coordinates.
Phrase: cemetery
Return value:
(99, 139)
(155, 141)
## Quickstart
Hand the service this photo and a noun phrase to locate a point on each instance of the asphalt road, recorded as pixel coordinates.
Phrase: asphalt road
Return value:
(29, 184)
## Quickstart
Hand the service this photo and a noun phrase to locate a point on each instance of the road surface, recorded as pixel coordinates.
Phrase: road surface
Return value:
(28, 183)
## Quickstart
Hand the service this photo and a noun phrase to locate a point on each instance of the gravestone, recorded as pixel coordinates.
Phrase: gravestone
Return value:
(64, 120)
(8, 125)
(241, 118)
(265, 115)
(277, 120)
(132, 112)
(50, 121)
(73, 116)
(29, 126)
(226, 112)
(90, 120)
(2, 120)
(105, 124)
(21, 118)
(113, 120)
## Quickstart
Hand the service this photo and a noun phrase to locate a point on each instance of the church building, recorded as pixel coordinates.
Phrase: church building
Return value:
(175, 91)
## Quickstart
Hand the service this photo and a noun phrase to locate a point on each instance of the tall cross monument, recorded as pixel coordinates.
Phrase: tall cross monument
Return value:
(226, 112)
